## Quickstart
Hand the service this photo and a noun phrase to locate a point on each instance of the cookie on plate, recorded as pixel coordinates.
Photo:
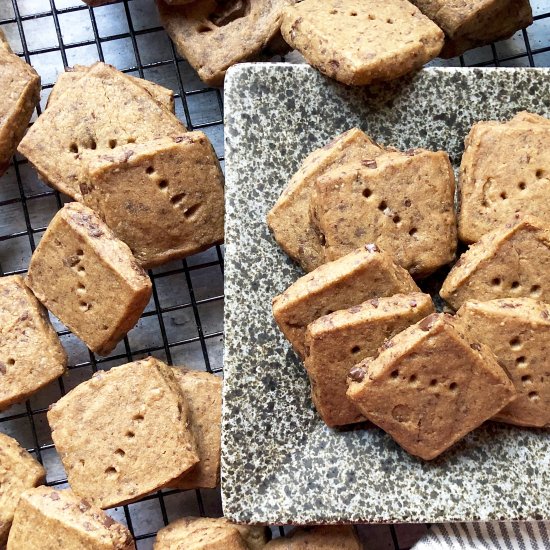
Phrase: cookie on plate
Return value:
(511, 261)
(360, 276)
(131, 438)
(88, 278)
(46, 516)
(19, 471)
(20, 85)
(163, 198)
(402, 201)
(336, 342)
(31, 355)
(244, 28)
(289, 217)
(476, 22)
(203, 392)
(357, 43)
(516, 330)
(210, 533)
(102, 110)
(321, 537)
(430, 386)
(505, 169)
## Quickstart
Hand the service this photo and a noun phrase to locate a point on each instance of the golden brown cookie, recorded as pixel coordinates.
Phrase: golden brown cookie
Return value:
(131, 438)
(357, 43)
(321, 537)
(476, 22)
(362, 275)
(18, 471)
(163, 198)
(289, 217)
(46, 516)
(31, 354)
(511, 261)
(336, 342)
(516, 330)
(404, 202)
(505, 169)
(430, 386)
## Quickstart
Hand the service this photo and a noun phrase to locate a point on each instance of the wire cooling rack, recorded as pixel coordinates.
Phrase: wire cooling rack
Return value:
(183, 322)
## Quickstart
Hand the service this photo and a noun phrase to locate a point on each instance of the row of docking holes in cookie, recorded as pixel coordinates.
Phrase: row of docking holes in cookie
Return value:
(535, 290)
(387, 211)
(92, 144)
(521, 186)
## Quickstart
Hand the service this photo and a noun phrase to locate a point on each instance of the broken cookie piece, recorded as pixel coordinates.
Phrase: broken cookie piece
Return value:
(511, 261)
(31, 355)
(516, 330)
(289, 217)
(46, 516)
(357, 43)
(148, 442)
(336, 342)
(88, 278)
(362, 275)
(321, 537)
(430, 386)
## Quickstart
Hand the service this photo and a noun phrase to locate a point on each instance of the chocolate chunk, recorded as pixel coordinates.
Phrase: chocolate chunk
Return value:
(412, 303)
(108, 521)
(375, 302)
(71, 261)
(95, 232)
(369, 163)
(427, 323)
(85, 188)
(84, 505)
(372, 248)
(545, 314)
(2, 368)
(476, 346)
(387, 344)
(357, 374)
(54, 496)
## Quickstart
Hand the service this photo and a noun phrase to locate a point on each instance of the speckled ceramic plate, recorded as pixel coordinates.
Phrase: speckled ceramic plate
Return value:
(281, 464)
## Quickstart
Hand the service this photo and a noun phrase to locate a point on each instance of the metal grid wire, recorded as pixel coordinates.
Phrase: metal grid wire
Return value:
(183, 322)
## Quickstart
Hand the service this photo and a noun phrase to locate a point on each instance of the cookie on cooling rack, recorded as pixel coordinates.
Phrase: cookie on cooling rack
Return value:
(321, 537)
(361, 275)
(124, 433)
(430, 386)
(19, 471)
(46, 516)
(289, 217)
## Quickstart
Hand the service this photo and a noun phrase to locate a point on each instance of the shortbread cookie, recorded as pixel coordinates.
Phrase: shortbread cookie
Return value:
(517, 329)
(160, 94)
(209, 533)
(101, 110)
(362, 275)
(18, 472)
(322, 537)
(289, 217)
(476, 22)
(20, 85)
(513, 260)
(4, 42)
(505, 169)
(163, 198)
(203, 392)
(31, 354)
(430, 386)
(88, 278)
(46, 516)
(131, 438)
(359, 44)
(402, 201)
(336, 342)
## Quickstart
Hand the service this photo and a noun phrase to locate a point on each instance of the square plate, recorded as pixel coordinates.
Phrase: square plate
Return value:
(281, 464)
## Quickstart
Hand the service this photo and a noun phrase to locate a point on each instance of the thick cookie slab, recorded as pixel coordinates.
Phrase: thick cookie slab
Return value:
(336, 342)
(203, 393)
(244, 28)
(31, 354)
(322, 537)
(289, 217)
(404, 202)
(505, 169)
(19, 471)
(516, 330)
(511, 261)
(163, 198)
(101, 110)
(131, 438)
(210, 533)
(430, 386)
(46, 516)
(359, 44)
(20, 85)
(476, 22)
(88, 278)
(360, 276)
